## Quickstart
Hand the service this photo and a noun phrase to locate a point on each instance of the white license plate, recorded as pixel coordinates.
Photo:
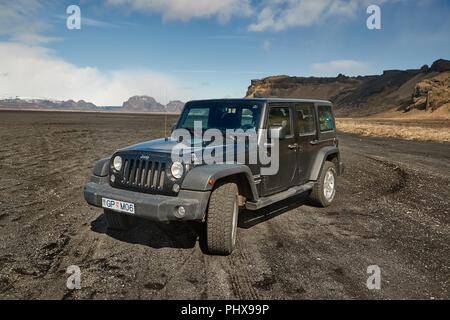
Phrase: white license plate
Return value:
(118, 205)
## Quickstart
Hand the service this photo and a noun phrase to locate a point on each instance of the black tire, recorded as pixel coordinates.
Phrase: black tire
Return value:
(221, 219)
(317, 195)
(118, 221)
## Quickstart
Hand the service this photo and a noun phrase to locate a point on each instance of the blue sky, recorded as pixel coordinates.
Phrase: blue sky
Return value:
(180, 49)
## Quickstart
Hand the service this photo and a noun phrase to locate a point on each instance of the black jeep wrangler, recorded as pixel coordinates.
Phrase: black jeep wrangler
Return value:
(145, 181)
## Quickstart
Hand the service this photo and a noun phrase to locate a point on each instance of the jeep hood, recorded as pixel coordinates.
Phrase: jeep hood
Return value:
(166, 145)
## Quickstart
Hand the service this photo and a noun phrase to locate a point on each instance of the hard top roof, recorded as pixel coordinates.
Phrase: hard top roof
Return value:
(265, 100)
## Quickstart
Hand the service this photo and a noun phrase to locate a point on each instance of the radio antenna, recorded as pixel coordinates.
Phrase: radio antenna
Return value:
(165, 124)
(165, 115)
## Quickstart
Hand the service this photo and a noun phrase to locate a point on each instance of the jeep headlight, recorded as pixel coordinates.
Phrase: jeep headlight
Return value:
(117, 163)
(177, 170)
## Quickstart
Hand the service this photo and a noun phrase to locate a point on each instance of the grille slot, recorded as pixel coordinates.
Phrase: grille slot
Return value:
(143, 174)
(156, 175)
(163, 174)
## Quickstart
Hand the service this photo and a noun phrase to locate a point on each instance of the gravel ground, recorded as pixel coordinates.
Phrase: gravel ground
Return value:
(392, 210)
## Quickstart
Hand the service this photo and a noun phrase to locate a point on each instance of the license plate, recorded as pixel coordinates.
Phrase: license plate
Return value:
(118, 205)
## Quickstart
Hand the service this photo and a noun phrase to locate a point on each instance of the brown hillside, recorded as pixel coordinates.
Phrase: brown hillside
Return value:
(402, 90)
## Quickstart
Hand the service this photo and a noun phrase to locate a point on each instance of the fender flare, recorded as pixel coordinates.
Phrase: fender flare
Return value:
(101, 167)
(197, 179)
(321, 156)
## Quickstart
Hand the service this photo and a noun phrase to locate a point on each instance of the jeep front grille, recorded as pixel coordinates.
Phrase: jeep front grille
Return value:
(142, 174)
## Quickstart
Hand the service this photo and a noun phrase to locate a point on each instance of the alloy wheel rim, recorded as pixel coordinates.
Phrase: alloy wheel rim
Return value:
(329, 185)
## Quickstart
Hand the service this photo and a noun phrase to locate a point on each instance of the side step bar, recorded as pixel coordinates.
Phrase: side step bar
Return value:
(265, 201)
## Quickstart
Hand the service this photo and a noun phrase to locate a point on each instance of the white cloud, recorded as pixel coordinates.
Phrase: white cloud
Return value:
(19, 21)
(33, 71)
(279, 15)
(186, 10)
(334, 67)
(24, 21)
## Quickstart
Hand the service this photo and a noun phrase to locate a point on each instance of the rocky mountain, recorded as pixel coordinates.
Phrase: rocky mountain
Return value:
(21, 103)
(175, 106)
(142, 104)
(81, 104)
(134, 104)
(149, 104)
(432, 94)
(426, 88)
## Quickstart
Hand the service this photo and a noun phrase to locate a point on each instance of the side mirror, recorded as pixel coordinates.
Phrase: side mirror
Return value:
(280, 130)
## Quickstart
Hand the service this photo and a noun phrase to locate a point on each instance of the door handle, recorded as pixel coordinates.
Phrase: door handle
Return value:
(314, 142)
(293, 146)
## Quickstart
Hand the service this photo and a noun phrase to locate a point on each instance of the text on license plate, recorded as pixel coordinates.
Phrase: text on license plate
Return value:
(118, 205)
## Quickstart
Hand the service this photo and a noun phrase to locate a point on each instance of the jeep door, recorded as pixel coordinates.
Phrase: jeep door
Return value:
(282, 114)
(306, 133)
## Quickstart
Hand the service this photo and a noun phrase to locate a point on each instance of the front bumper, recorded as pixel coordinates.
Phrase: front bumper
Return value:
(149, 206)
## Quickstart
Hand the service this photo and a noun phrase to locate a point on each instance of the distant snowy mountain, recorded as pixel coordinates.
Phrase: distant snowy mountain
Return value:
(36, 103)
(134, 104)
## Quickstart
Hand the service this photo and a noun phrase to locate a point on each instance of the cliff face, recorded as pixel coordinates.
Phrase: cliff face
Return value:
(432, 94)
(363, 95)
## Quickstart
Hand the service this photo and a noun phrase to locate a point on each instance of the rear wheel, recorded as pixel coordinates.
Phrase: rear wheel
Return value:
(221, 219)
(324, 189)
(118, 221)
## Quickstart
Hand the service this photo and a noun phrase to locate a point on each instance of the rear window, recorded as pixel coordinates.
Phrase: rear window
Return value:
(326, 122)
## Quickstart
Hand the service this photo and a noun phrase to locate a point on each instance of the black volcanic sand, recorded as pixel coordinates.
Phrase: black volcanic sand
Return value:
(392, 210)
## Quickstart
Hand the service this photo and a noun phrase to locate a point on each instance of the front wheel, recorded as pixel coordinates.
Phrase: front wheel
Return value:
(324, 189)
(221, 219)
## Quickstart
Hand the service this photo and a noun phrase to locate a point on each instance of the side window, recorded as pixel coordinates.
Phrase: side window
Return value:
(325, 118)
(281, 116)
(305, 119)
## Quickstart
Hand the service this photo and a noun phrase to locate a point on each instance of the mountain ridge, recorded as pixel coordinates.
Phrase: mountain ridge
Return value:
(141, 103)
(426, 89)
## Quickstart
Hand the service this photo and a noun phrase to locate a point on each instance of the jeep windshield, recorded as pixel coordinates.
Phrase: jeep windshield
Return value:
(222, 115)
